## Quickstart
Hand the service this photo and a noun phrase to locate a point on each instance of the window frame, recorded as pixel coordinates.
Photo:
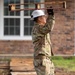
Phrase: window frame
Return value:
(22, 17)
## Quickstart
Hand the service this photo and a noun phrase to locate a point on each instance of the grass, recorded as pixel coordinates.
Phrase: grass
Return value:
(64, 62)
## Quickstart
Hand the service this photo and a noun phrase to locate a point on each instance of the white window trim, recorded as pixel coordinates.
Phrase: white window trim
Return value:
(21, 37)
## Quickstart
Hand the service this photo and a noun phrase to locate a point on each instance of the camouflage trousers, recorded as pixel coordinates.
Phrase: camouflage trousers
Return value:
(44, 66)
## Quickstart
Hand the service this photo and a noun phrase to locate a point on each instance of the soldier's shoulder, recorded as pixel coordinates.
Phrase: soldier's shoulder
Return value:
(36, 27)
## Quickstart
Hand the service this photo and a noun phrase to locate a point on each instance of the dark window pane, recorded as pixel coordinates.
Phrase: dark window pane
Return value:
(26, 22)
(30, 30)
(37, 0)
(32, 1)
(6, 31)
(5, 11)
(26, 1)
(12, 1)
(26, 31)
(5, 22)
(31, 12)
(31, 23)
(26, 13)
(17, 7)
(17, 22)
(17, 31)
(17, 1)
(6, 2)
(17, 13)
(11, 22)
(28, 26)
(12, 13)
(11, 30)
(26, 6)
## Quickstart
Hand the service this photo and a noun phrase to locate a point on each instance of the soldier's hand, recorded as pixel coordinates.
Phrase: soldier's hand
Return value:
(50, 11)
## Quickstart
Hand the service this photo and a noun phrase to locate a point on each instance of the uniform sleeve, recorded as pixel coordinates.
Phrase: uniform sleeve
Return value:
(48, 26)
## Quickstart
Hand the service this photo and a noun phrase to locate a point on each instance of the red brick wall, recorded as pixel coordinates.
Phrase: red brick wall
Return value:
(16, 47)
(62, 36)
(63, 33)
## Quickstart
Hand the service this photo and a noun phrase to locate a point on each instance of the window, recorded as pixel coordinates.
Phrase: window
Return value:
(27, 26)
(11, 24)
(6, 11)
(18, 23)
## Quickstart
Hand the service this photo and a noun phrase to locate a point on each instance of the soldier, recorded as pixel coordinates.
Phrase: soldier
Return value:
(41, 41)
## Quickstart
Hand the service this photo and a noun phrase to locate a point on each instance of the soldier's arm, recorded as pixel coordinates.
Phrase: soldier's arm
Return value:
(49, 23)
(48, 26)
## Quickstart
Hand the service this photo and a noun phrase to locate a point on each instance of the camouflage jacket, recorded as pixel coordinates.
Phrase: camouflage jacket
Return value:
(41, 37)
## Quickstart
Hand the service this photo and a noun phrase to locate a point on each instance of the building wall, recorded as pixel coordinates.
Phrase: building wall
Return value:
(62, 35)
(16, 47)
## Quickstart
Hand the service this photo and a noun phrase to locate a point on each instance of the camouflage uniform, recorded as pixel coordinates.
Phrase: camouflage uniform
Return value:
(42, 47)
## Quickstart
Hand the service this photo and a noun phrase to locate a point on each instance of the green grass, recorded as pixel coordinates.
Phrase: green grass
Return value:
(64, 62)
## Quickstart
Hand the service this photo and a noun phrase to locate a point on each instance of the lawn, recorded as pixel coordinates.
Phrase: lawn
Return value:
(67, 63)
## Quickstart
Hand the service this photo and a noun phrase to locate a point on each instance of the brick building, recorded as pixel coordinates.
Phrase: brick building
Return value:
(15, 29)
